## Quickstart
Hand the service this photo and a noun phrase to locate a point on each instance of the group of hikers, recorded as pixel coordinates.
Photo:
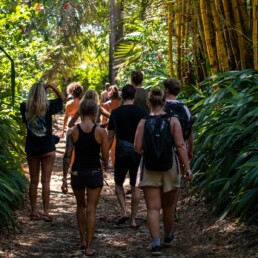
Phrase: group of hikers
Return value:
(148, 134)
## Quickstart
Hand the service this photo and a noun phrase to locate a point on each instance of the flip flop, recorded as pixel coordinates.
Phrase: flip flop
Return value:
(122, 220)
(82, 247)
(136, 226)
(35, 217)
(46, 218)
(92, 254)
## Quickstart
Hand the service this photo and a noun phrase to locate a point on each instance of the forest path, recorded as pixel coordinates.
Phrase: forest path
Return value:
(198, 233)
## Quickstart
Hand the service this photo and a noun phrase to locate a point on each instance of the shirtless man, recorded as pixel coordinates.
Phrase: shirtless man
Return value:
(72, 105)
(104, 94)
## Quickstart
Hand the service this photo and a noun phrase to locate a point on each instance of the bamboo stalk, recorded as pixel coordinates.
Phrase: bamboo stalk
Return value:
(226, 34)
(200, 41)
(255, 33)
(179, 43)
(170, 46)
(183, 33)
(207, 35)
(243, 15)
(231, 35)
(220, 42)
(194, 45)
(240, 38)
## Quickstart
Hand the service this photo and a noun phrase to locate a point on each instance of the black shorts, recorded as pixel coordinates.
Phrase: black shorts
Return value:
(87, 179)
(122, 165)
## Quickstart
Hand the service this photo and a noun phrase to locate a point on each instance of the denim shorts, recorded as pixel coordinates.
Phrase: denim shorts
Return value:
(89, 178)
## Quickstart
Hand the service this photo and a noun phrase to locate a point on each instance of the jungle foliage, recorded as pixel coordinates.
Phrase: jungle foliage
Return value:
(226, 146)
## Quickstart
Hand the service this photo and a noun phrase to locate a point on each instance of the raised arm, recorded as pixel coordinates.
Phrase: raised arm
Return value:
(56, 90)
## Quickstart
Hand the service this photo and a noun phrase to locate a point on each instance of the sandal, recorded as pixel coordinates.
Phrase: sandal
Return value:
(46, 218)
(35, 217)
(122, 220)
(90, 254)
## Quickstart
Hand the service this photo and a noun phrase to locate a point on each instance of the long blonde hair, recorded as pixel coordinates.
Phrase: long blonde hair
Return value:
(91, 94)
(37, 103)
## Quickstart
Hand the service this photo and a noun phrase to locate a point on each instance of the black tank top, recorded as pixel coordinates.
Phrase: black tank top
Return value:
(87, 151)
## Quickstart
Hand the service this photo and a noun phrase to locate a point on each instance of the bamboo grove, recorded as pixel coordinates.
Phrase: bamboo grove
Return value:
(213, 36)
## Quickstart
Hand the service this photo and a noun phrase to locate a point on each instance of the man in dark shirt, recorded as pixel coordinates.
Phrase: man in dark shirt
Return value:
(141, 93)
(123, 123)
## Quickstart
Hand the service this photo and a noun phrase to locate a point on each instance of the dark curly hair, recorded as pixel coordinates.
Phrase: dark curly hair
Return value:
(75, 89)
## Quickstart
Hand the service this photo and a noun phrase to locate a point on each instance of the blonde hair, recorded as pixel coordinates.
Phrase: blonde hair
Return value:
(156, 98)
(88, 107)
(91, 94)
(37, 103)
(113, 92)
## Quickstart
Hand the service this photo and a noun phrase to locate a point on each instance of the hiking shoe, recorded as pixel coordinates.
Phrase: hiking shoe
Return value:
(156, 250)
(168, 240)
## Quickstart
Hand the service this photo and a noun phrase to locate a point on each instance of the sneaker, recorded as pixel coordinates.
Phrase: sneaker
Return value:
(168, 240)
(156, 250)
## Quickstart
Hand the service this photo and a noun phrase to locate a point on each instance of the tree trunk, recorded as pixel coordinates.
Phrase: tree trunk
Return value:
(116, 33)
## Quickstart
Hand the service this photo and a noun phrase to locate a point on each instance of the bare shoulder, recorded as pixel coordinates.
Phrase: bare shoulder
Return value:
(101, 131)
(141, 123)
(73, 130)
(174, 120)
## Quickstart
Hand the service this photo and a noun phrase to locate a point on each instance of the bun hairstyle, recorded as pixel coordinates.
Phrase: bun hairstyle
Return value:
(156, 98)
(113, 92)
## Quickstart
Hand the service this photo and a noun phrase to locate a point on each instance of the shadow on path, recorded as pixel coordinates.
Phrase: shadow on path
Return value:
(197, 233)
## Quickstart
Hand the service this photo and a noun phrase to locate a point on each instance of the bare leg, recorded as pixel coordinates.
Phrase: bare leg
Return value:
(81, 214)
(153, 202)
(47, 163)
(92, 202)
(168, 207)
(34, 167)
(120, 194)
(134, 204)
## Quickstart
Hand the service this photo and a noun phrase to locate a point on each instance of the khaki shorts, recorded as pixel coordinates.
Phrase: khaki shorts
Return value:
(168, 180)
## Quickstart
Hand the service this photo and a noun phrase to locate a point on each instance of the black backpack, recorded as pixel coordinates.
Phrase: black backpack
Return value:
(157, 143)
(177, 109)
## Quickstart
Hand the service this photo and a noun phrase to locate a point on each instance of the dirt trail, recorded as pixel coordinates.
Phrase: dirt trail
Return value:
(198, 233)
